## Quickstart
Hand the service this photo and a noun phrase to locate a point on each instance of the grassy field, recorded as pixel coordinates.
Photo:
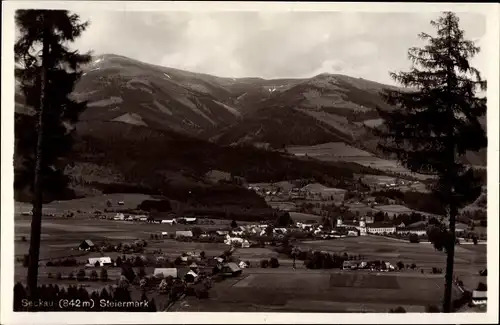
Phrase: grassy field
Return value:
(302, 290)
(339, 151)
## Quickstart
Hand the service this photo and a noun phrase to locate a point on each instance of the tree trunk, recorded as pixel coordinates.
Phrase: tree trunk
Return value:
(448, 286)
(36, 220)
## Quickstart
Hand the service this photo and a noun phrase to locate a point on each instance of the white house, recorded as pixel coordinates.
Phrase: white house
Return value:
(119, 217)
(102, 261)
(380, 228)
(164, 233)
(184, 233)
(169, 221)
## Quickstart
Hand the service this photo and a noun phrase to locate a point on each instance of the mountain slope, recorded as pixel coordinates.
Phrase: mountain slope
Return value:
(230, 111)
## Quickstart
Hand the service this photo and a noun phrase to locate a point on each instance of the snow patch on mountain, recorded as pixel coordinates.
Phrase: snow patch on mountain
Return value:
(130, 118)
(232, 110)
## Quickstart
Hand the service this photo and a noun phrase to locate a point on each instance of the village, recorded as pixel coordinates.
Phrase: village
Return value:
(167, 251)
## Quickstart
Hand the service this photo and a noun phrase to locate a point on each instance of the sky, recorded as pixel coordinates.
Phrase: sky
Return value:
(270, 44)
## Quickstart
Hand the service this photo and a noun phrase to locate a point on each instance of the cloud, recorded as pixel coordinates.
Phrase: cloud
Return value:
(269, 44)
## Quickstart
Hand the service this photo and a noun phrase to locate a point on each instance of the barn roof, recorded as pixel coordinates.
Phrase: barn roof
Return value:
(88, 242)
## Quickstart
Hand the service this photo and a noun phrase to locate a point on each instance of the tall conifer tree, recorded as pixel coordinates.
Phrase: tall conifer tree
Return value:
(47, 71)
(436, 122)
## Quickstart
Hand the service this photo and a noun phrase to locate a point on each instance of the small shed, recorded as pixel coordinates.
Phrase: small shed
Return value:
(86, 245)
(169, 221)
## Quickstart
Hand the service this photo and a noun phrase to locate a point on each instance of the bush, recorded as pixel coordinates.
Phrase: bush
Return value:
(71, 276)
(25, 261)
(400, 265)
(104, 275)
(141, 272)
(274, 263)
(80, 276)
(398, 310)
(93, 275)
(197, 231)
(58, 276)
(138, 262)
(432, 309)
(97, 264)
(49, 275)
(481, 286)
(413, 266)
(264, 264)
(414, 238)
(128, 273)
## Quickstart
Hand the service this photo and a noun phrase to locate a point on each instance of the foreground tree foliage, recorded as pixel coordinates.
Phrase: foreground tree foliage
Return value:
(437, 123)
(47, 71)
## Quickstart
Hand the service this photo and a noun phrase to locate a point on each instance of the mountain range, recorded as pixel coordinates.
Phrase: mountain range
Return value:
(135, 101)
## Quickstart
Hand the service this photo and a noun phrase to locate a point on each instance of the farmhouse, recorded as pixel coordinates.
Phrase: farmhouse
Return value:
(222, 232)
(119, 217)
(190, 276)
(479, 298)
(86, 245)
(231, 269)
(169, 221)
(101, 260)
(380, 228)
(165, 272)
(183, 233)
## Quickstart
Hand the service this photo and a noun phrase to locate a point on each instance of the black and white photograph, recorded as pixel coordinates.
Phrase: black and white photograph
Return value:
(249, 159)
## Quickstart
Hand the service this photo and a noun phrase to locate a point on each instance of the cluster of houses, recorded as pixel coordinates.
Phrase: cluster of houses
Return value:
(314, 191)
(367, 225)
(380, 266)
(191, 265)
(171, 220)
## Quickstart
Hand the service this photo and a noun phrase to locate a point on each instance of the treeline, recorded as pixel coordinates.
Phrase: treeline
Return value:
(53, 298)
(143, 156)
(425, 202)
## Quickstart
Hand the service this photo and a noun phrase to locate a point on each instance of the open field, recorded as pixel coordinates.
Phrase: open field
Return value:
(319, 291)
(339, 151)
(302, 217)
(302, 290)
